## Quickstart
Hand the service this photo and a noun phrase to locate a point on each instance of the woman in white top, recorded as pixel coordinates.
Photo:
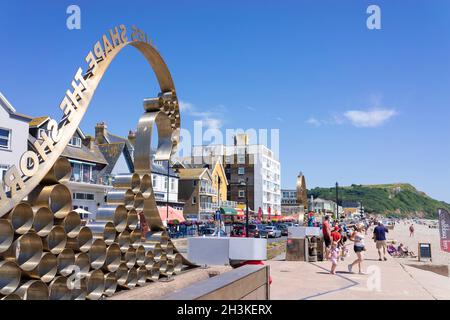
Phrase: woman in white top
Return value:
(358, 238)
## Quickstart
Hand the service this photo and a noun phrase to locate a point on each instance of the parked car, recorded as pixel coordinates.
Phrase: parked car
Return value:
(253, 231)
(238, 231)
(284, 229)
(271, 232)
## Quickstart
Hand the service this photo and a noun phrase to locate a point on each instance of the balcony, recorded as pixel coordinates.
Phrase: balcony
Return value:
(208, 206)
(207, 190)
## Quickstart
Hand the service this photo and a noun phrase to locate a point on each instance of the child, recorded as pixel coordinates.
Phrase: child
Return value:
(334, 257)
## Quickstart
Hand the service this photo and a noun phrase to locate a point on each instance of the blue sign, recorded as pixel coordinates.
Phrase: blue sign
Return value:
(218, 215)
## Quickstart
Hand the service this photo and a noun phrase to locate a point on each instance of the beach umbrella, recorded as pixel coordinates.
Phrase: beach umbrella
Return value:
(268, 216)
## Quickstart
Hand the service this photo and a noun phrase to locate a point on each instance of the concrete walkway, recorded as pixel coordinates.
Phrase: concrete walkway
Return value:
(390, 280)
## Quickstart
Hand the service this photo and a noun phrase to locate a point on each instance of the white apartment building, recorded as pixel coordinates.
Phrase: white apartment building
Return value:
(13, 135)
(243, 161)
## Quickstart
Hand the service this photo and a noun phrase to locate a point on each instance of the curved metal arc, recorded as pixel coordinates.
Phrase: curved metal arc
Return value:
(165, 82)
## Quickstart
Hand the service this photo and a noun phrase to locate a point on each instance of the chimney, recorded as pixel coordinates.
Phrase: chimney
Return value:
(132, 137)
(100, 133)
(89, 142)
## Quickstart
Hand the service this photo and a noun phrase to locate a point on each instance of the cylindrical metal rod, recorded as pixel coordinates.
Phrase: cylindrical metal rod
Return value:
(168, 247)
(71, 224)
(6, 235)
(129, 257)
(116, 214)
(46, 269)
(160, 237)
(127, 181)
(9, 277)
(123, 239)
(58, 289)
(153, 104)
(97, 254)
(104, 230)
(138, 201)
(153, 271)
(56, 240)
(95, 283)
(161, 258)
(78, 289)
(149, 259)
(43, 221)
(176, 260)
(113, 258)
(135, 238)
(131, 278)
(166, 268)
(26, 251)
(82, 262)
(141, 275)
(122, 274)
(120, 197)
(57, 197)
(59, 173)
(132, 219)
(21, 217)
(82, 242)
(155, 248)
(33, 290)
(140, 255)
(146, 185)
(65, 262)
(110, 284)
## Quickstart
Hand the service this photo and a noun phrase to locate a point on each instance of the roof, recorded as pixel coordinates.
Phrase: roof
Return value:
(112, 152)
(82, 154)
(10, 109)
(38, 121)
(162, 169)
(191, 173)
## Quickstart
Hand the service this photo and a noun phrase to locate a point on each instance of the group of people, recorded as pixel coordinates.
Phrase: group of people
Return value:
(336, 237)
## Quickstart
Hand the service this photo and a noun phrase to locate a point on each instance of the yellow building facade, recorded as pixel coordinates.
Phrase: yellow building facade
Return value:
(218, 174)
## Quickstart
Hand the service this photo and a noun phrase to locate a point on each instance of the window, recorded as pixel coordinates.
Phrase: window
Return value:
(3, 169)
(241, 159)
(83, 196)
(165, 183)
(241, 170)
(194, 183)
(194, 200)
(5, 138)
(172, 184)
(75, 142)
(154, 180)
(81, 172)
(241, 194)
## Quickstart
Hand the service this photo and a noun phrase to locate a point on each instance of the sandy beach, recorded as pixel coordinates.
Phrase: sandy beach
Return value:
(422, 234)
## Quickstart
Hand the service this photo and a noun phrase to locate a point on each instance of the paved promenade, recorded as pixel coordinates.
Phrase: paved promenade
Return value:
(390, 279)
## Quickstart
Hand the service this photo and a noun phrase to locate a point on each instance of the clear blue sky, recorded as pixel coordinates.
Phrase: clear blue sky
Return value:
(353, 105)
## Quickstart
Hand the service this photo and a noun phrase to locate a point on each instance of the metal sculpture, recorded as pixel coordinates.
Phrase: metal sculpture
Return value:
(42, 242)
(302, 193)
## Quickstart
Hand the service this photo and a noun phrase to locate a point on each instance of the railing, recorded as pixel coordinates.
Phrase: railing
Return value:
(228, 203)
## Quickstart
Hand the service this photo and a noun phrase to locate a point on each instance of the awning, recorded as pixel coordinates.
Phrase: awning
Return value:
(228, 211)
(240, 212)
(173, 214)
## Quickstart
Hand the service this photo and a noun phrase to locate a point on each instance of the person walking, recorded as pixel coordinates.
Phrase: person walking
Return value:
(326, 230)
(379, 235)
(358, 238)
(334, 257)
(411, 230)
